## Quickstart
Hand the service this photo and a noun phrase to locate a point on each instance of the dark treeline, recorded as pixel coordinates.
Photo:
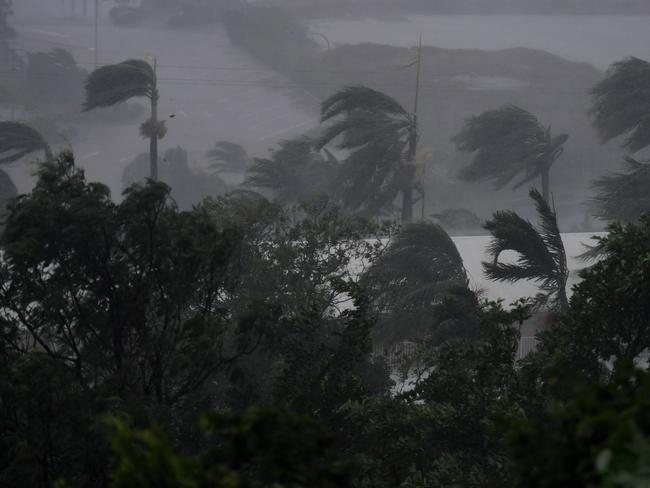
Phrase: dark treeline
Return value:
(303, 327)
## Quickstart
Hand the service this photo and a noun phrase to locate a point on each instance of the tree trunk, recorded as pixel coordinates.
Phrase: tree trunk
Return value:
(546, 192)
(407, 191)
(153, 141)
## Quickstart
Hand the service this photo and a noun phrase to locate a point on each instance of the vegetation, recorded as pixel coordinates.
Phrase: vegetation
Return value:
(540, 253)
(382, 137)
(185, 336)
(120, 82)
(508, 142)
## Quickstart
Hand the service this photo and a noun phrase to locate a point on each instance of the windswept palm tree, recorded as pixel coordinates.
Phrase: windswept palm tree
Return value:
(381, 137)
(624, 196)
(507, 142)
(541, 254)
(228, 157)
(621, 104)
(295, 171)
(18, 140)
(419, 268)
(120, 82)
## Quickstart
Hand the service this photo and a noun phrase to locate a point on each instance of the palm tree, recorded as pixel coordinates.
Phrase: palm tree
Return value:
(295, 171)
(228, 157)
(624, 196)
(541, 254)
(120, 82)
(18, 140)
(621, 104)
(382, 137)
(418, 270)
(506, 142)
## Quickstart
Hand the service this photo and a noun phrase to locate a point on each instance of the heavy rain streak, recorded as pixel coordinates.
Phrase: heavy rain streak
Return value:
(324, 243)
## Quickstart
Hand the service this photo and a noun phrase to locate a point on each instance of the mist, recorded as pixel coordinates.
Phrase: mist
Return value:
(342, 243)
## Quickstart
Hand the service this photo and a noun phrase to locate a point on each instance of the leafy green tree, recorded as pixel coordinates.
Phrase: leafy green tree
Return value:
(621, 104)
(120, 82)
(623, 197)
(507, 142)
(296, 171)
(609, 315)
(540, 252)
(445, 431)
(382, 137)
(598, 436)
(259, 448)
(124, 301)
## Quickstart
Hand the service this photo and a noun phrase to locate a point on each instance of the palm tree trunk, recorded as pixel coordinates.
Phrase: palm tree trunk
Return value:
(407, 191)
(153, 141)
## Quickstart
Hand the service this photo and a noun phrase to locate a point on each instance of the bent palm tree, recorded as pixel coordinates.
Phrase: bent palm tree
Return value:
(416, 272)
(621, 104)
(541, 254)
(624, 196)
(228, 157)
(18, 140)
(295, 171)
(382, 139)
(506, 142)
(120, 82)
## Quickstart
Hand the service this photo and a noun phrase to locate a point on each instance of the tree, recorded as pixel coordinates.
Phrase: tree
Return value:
(228, 157)
(295, 171)
(188, 187)
(382, 137)
(623, 197)
(621, 104)
(418, 268)
(118, 83)
(18, 140)
(609, 314)
(506, 142)
(599, 435)
(541, 256)
(261, 447)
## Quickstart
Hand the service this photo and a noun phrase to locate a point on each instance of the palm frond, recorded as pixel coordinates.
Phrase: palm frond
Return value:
(228, 156)
(117, 83)
(540, 254)
(18, 140)
(621, 103)
(623, 196)
(506, 142)
(355, 98)
(419, 267)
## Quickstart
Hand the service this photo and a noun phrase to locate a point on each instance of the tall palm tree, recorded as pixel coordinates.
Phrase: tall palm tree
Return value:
(507, 142)
(18, 140)
(541, 254)
(621, 104)
(624, 196)
(120, 82)
(418, 269)
(228, 157)
(382, 137)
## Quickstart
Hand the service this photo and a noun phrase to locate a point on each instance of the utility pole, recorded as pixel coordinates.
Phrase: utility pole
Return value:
(96, 33)
(414, 142)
